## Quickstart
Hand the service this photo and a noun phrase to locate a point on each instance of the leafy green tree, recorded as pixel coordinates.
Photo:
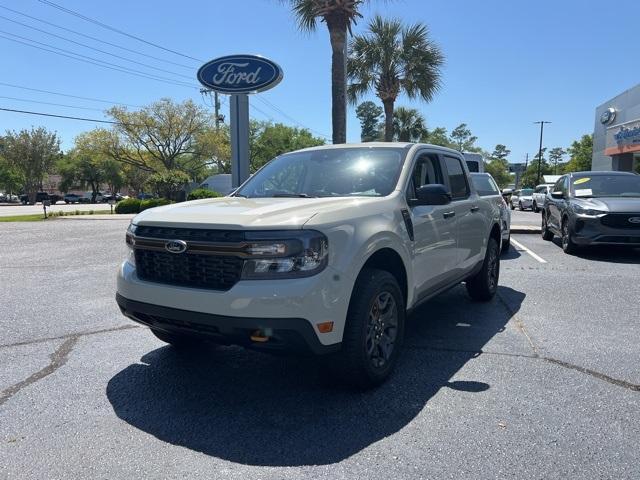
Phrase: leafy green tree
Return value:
(339, 16)
(462, 138)
(157, 137)
(500, 152)
(11, 179)
(438, 136)
(555, 157)
(31, 154)
(391, 59)
(213, 147)
(580, 153)
(168, 184)
(499, 170)
(80, 169)
(369, 115)
(408, 125)
(268, 140)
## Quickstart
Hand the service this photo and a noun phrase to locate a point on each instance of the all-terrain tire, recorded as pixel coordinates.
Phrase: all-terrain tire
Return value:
(484, 284)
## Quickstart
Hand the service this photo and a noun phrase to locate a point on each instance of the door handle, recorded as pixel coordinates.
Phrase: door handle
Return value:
(475, 208)
(449, 214)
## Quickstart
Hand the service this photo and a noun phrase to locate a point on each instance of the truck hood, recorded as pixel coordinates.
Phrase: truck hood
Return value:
(236, 213)
(611, 204)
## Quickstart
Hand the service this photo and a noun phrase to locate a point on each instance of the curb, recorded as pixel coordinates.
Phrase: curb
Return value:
(525, 229)
(115, 216)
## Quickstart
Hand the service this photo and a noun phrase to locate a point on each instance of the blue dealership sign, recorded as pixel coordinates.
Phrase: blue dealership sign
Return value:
(240, 74)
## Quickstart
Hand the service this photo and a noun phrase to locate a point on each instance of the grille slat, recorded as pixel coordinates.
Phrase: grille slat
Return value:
(213, 272)
(620, 220)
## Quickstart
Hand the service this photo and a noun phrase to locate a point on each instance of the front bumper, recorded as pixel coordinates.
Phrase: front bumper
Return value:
(590, 231)
(526, 202)
(290, 308)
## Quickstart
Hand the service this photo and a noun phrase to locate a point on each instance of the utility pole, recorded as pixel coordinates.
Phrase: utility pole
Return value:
(541, 122)
(216, 106)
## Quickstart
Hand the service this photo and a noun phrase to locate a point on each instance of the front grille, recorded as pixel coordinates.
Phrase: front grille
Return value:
(190, 270)
(190, 234)
(620, 220)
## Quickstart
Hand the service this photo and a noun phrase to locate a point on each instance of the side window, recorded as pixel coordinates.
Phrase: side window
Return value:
(425, 172)
(457, 178)
(565, 186)
(558, 186)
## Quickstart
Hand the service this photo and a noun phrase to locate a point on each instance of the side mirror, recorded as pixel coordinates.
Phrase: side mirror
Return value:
(557, 195)
(436, 194)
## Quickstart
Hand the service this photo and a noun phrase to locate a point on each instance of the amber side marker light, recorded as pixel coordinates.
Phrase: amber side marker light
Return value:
(258, 336)
(325, 327)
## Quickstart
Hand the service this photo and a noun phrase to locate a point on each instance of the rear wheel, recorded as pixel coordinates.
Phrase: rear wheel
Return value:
(484, 284)
(373, 332)
(535, 207)
(567, 243)
(546, 233)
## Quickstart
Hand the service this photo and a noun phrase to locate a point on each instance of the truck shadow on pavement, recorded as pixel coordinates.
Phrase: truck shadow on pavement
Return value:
(255, 409)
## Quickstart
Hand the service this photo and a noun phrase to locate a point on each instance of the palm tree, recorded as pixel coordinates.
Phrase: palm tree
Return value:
(392, 59)
(408, 125)
(339, 15)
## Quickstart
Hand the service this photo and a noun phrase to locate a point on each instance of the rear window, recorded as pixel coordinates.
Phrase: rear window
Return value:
(485, 186)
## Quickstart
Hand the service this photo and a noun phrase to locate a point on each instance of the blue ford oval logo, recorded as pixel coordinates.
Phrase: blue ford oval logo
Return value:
(175, 246)
(634, 219)
(237, 74)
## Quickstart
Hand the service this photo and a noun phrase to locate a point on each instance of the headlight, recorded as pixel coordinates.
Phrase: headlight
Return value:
(131, 230)
(285, 254)
(588, 212)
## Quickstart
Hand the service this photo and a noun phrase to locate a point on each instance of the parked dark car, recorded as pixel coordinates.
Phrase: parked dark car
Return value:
(72, 198)
(113, 196)
(145, 196)
(587, 208)
(41, 197)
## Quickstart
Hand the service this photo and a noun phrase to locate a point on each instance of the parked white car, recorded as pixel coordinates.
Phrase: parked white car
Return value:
(487, 187)
(523, 199)
(322, 250)
(540, 197)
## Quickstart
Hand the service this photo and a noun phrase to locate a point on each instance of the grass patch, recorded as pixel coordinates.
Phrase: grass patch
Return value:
(35, 217)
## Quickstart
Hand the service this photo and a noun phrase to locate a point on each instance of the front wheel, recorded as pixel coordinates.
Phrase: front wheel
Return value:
(374, 330)
(520, 207)
(484, 284)
(567, 243)
(535, 208)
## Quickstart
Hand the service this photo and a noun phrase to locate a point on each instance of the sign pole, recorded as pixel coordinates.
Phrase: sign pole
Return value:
(239, 139)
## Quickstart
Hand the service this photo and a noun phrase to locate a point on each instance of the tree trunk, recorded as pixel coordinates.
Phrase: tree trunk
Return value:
(388, 119)
(338, 37)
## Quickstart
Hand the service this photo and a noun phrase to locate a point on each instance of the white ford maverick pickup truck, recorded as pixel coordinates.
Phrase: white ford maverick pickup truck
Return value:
(323, 250)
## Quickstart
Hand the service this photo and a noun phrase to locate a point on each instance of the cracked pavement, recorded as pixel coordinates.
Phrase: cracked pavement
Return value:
(542, 382)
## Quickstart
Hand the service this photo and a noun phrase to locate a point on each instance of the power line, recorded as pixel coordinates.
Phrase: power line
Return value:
(70, 96)
(95, 38)
(57, 116)
(95, 61)
(50, 103)
(96, 49)
(113, 29)
(290, 118)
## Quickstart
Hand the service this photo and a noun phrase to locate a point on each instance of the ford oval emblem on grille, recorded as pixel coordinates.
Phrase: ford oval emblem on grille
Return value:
(634, 219)
(175, 246)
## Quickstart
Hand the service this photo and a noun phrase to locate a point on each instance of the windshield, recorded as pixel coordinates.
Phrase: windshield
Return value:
(526, 192)
(606, 186)
(335, 172)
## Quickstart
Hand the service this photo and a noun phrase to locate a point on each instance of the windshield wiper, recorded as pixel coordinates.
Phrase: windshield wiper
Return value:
(292, 195)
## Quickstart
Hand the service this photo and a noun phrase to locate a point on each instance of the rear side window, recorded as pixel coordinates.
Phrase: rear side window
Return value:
(457, 178)
(484, 185)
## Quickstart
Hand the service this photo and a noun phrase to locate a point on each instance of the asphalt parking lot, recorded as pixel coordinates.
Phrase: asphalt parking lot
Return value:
(542, 382)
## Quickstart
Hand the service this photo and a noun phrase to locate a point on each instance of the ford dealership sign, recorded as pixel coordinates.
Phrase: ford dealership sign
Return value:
(238, 74)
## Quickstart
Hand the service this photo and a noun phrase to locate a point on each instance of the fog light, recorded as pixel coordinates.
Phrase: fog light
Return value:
(325, 327)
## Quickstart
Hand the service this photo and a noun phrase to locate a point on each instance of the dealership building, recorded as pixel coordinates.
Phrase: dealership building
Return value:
(616, 136)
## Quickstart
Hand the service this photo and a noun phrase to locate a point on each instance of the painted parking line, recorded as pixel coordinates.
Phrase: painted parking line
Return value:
(525, 249)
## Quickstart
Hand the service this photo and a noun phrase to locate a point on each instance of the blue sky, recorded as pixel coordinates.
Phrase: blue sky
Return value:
(509, 63)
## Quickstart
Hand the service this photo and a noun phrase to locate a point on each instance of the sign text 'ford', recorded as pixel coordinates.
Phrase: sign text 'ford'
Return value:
(237, 74)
